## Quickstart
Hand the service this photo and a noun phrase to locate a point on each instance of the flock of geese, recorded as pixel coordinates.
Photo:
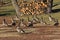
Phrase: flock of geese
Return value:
(35, 20)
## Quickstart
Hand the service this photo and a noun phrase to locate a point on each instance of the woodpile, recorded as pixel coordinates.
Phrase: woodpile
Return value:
(33, 7)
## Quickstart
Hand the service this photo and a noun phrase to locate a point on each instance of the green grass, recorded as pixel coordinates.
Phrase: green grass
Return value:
(7, 10)
(56, 1)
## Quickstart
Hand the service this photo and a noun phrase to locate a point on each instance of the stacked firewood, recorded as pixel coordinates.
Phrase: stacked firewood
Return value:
(33, 7)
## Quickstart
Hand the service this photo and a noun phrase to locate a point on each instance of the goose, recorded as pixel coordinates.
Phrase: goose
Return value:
(19, 30)
(13, 23)
(56, 23)
(35, 19)
(4, 23)
(50, 18)
(30, 23)
(42, 21)
(22, 23)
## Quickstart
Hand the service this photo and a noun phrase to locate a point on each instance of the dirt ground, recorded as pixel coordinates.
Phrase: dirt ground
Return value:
(37, 33)
(47, 33)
